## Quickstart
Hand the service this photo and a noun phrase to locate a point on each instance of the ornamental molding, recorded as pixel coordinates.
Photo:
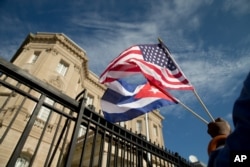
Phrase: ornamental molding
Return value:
(60, 39)
(77, 68)
(53, 51)
(26, 48)
(57, 82)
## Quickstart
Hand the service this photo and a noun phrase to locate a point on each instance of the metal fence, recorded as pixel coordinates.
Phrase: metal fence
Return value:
(41, 126)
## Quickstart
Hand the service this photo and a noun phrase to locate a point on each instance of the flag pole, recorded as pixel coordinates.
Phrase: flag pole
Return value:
(196, 94)
(179, 102)
(203, 105)
(190, 110)
(147, 133)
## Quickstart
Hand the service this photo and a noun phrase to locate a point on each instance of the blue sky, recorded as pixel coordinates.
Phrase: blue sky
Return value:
(209, 39)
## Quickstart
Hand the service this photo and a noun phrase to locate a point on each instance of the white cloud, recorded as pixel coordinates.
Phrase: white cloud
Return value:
(240, 7)
(216, 73)
(162, 20)
(178, 14)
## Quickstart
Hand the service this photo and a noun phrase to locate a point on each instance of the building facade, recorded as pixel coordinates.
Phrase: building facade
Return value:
(57, 61)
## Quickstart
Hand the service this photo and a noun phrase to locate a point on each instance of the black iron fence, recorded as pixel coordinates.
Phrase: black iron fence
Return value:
(41, 126)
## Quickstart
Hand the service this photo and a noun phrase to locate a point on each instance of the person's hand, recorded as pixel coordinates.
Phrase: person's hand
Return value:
(219, 127)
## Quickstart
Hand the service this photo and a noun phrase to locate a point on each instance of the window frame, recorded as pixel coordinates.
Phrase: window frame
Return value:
(62, 67)
(34, 57)
(82, 131)
(89, 100)
(44, 111)
(139, 128)
(23, 160)
(155, 130)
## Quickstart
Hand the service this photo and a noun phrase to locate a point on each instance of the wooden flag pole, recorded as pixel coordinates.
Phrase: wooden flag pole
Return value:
(197, 96)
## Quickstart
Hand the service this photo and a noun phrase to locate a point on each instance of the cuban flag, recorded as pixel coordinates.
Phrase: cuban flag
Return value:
(123, 101)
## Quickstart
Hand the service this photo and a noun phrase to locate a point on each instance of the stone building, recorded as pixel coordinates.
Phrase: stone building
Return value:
(59, 62)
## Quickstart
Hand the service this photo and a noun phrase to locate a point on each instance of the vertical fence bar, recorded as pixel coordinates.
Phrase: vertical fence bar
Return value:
(58, 143)
(84, 143)
(109, 153)
(13, 119)
(92, 156)
(53, 141)
(40, 139)
(25, 134)
(102, 144)
(75, 134)
(8, 98)
(116, 151)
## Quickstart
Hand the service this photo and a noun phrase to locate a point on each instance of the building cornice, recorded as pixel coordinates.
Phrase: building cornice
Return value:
(93, 78)
(54, 38)
(158, 114)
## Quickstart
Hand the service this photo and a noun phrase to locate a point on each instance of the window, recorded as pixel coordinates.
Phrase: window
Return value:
(82, 131)
(34, 57)
(155, 130)
(62, 67)
(44, 112)
(22, 161)
(90, 100)
(122, 124)
(139, 126)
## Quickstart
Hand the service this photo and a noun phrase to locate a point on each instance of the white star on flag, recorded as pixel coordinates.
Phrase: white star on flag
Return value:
(154, 90)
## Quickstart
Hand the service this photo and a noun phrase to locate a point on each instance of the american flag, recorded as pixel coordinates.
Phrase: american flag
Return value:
(153, 61)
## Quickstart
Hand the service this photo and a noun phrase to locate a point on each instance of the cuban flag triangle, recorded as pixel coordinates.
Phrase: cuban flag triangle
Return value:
(123, 101)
